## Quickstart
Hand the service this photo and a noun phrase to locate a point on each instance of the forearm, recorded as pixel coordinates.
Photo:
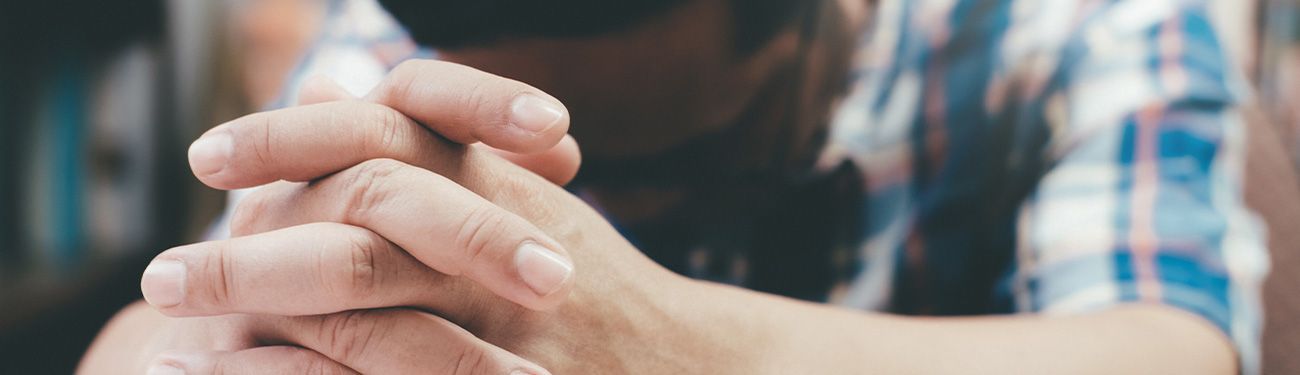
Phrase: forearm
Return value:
(784, 336)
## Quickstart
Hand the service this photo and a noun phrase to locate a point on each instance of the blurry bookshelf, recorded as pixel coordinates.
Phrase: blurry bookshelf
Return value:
(98, 101)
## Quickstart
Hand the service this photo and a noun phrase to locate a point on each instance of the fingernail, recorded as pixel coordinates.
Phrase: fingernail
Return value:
(534, 114)
(209, 154)
(163, 283)
(542, 269)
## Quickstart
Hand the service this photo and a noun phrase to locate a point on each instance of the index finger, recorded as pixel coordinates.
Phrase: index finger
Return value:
(467, 105)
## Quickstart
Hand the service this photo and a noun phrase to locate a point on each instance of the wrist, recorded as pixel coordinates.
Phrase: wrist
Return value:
(717, 329)
(743, 331)
(646, 319)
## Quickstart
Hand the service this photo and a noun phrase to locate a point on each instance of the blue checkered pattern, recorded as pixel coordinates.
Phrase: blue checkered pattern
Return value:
(1056, 156)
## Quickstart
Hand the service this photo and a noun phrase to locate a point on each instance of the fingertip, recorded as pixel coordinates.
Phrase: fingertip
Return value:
(163, 283)
(570, 156)
(319, 88)
(558, 165)
(547, 274)
(177, 283)
(571, 144)
(211, 153)
(535, 123)
(534, 113)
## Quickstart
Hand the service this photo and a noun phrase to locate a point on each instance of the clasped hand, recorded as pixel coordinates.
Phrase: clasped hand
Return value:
(419, 229)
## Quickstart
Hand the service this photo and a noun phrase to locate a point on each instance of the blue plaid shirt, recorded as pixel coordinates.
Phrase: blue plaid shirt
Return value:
(1051, 156)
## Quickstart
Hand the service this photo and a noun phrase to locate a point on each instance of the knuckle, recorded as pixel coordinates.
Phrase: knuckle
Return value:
(260, 211)
(407, 68)
(306, 365)
(384, 127)
(259, 127)
(321, 368)
(355, 277)
(368, 183)
(223, 286)
(309, 364)
(517, 186)
(223, 366)
(347, 335)
(478, 98)
(478, 228)
(518, 190)
(244, 219)
(312, 368)
(472, 360)
(401, 79)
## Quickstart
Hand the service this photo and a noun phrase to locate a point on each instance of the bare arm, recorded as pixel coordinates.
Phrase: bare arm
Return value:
(743, 331)
(810, 338)
(292, 257)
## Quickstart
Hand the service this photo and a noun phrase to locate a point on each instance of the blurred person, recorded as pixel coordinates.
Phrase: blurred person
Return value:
(272, 36)
(1070, 168)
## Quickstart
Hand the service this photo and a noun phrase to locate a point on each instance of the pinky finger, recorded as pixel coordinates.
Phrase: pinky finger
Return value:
(262, 360)
(558, 165)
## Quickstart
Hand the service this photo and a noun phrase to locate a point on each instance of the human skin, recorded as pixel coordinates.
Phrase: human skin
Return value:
(324, 277)
(343, 274)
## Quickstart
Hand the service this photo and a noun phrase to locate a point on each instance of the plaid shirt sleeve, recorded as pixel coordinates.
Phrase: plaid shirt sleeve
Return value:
(1143, 202)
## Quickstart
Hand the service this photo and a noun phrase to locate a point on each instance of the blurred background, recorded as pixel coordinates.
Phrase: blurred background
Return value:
(99, 100)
